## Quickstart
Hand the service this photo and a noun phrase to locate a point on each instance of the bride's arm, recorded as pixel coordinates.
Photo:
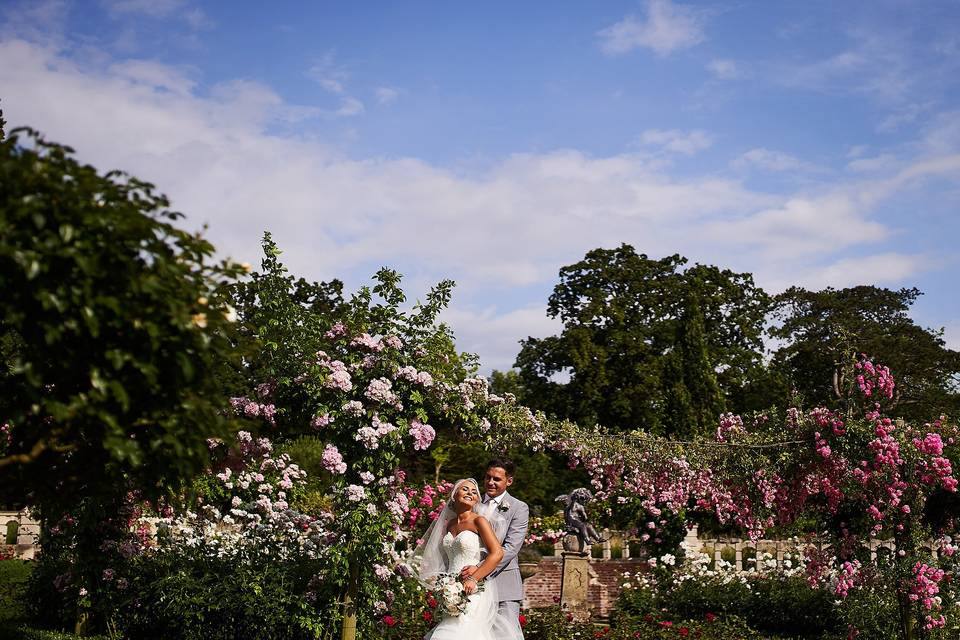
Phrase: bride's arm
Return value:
(494, 552)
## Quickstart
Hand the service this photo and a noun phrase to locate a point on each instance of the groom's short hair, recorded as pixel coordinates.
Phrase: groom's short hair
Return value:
(504, 464)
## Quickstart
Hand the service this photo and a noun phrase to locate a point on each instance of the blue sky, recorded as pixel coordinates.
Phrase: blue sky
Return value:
(813, 143)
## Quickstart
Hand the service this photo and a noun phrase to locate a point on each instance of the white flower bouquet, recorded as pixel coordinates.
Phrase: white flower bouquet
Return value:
(453, 599)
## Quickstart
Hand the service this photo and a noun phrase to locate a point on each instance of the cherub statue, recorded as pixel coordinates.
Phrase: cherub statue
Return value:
(575, 517)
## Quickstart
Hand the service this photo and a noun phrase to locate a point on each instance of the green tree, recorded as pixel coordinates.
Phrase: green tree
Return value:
(692, 395)
(504, 382)
(820, 329)
(633, 327)
(2, 125)
(281, 319)
(116, 332)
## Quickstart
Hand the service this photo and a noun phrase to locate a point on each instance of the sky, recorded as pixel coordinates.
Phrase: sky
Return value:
(813, 144)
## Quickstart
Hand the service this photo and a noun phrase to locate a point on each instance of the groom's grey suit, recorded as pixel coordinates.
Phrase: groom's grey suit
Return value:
(507, 574)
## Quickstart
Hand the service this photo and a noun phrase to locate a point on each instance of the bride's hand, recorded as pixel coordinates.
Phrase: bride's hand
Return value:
(469, 585)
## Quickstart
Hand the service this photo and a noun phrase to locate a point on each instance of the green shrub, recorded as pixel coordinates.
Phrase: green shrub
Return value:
(13, 581)
(789, 605)
(658, 628)
(872, 612)
(552, 623)
(770, 605)
(17, 632)
(176, 597)
(47, 605)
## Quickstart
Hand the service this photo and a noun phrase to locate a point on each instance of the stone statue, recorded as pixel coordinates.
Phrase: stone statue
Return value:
(575, 517)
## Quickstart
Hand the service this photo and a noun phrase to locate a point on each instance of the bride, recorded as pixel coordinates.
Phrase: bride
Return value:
(456, 539)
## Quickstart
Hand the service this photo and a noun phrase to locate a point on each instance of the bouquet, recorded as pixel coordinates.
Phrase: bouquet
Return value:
(453, 599)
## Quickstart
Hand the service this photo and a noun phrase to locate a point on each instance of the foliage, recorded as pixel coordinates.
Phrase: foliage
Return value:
(777, 601)
(291, 320)
(13, 578)
(2, 125)
(636, 334)
(553, 623)
(661, 627)
(244, 563)
(192, 597)
(121, 326)
(541, 476)
(544, 531)
(116, 333)
(818, 328)
(508, 382)
(412, 613)
(655, 531)
(281, 317)
(872, 609)
(19, 632)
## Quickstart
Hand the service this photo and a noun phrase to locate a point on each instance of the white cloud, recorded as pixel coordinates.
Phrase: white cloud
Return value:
(857, 150)
(804, 227)
(328, 74)
(770, 160)
(667, 28)
(676, 141)
(38, 20)
(881, 269)
(889, 63)
(333, 78)
(875, 64)
(882, 162)
(153, 8)
(197, 19)
(130, 14)
(350, 107)
(724, 69)
(155, 75)
(495, 335)
(942, 133)
(907, 114)
(386, 95)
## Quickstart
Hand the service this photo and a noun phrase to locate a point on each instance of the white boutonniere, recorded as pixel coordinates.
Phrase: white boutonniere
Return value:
(503, 506)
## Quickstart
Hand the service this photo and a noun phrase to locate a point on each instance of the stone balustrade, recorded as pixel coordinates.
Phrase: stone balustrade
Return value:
(740, 553)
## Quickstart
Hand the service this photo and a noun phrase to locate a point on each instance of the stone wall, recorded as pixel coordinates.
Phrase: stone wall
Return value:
(28, 531)
(543, 588)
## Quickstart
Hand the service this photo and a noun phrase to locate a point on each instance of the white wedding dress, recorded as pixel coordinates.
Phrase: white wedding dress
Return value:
(479, 621)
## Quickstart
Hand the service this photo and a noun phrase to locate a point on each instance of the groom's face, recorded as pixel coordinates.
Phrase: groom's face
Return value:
(496, 481)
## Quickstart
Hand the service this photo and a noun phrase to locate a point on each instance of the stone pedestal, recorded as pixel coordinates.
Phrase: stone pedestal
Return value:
(575, 584)
(573, 543)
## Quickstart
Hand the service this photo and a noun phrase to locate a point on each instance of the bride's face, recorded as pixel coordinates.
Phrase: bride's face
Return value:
(467, 494)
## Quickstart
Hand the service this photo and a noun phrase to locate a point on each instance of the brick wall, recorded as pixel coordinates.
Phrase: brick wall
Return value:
(543, 588)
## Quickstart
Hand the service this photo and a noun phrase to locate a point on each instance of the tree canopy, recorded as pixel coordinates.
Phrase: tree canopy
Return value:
(642, 338)
(114, 332)
(820, 328)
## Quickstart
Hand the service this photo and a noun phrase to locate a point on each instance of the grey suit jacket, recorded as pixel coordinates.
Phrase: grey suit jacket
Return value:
(507, 573)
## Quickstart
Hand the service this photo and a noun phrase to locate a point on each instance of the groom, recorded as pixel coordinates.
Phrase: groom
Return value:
(498, 477)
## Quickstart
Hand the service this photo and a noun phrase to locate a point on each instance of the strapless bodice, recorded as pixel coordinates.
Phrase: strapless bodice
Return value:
(462, 549)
